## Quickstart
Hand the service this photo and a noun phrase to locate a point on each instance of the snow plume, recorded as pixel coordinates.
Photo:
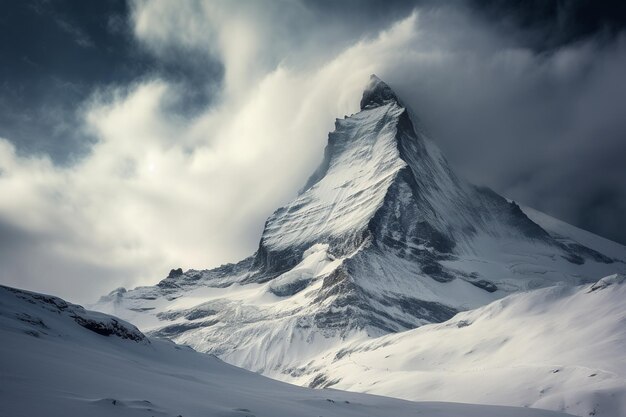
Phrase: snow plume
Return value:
(166, 185)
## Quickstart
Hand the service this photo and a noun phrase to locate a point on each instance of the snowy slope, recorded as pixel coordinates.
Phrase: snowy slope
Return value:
(363, 161)
(560, 348)
(56, 359)
(383, 238)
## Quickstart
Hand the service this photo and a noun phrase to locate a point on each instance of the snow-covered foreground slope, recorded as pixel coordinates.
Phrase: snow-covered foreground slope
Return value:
(560, 348)
(383, 238)
(56, 359)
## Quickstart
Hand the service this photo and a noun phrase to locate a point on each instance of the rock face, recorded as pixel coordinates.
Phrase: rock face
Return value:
(384, 237)
(42, 306)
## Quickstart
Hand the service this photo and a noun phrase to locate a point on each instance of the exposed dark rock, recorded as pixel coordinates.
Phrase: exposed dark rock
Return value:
(142, 309)
(376, 93)
(341, 353)
(573, 258)
(582, 251)
(169, 315)
(175, 273)
(322, 381)
(424, 310)
(199, 313)
(112, 327)
(435, 271)
(485, 285)
(290, 289)
(511, 214)
(96, 322)
(178, 329)
(27, 318)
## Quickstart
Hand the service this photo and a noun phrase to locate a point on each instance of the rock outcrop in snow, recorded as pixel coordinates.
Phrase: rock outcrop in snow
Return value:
(47, 305)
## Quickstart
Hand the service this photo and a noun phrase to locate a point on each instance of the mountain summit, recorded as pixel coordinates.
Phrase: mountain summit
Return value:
(377, 93)
(384, 187)
(384, 237)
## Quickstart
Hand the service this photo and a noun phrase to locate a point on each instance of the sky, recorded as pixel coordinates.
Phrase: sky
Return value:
(141, 136)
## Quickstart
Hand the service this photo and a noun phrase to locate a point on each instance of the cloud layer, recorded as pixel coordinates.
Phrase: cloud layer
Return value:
(174, 181)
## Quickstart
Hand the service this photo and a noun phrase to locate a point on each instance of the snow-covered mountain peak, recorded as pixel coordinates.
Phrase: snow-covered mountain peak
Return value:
(384, 237)
(384, 183)
(377, 93)
(361, 162)
(375, 161)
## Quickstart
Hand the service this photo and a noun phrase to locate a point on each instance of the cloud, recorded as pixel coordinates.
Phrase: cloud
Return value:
(163, 187)
(79, 36)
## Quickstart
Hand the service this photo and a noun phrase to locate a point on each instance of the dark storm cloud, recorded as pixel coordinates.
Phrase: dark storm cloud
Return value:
(549, 24)
(367, 15)
(54, 55)
(539, 24)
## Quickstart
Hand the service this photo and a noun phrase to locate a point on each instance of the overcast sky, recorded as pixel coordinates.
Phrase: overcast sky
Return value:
(143, 136)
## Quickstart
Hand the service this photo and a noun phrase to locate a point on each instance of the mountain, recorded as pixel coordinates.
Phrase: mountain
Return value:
(58, 359)
(559, 348)
(383, 238)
